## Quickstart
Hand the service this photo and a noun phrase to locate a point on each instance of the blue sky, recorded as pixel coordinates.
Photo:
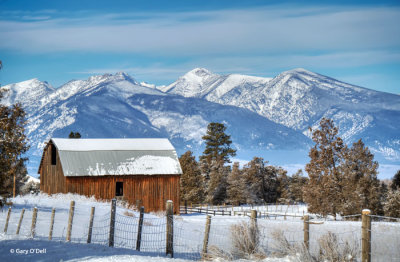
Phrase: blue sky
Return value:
(158, 41)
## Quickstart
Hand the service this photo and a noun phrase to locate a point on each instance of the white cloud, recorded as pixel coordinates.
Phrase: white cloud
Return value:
(251, 31)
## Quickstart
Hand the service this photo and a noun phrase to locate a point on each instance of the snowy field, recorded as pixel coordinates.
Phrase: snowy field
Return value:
(188, 233)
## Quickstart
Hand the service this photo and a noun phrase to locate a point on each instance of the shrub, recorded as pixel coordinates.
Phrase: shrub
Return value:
(246, 240)
(330, 249)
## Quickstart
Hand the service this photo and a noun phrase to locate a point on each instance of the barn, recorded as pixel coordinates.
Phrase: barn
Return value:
(145, 170)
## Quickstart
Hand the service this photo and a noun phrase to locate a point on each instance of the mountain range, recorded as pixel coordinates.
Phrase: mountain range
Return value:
(263, 115)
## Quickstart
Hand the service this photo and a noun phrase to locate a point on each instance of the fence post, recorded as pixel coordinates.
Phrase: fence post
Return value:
(206, 235)
(33, 226)
(20, 221)
(140, 226)
(8, 218)
(53, 213)
(70, 220)
(185, 206)
(170, 229)
(112, 223)
(306, 231)
(253, 217)
(89, 237)
(366, 236)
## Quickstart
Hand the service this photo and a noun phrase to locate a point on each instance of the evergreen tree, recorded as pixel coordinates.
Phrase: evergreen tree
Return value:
(392, 204)
(12, 147)
(271, 183)
(218, 144)
(236, 186)
(192, 185)
(321, 192)
(215, 155)
(296, 185)
(383, 191)
(74, 135)
(283, 194)
(254, 173)
(261, 182)
(217, 185)
(396, 181)
(360, 185)
(342, 180)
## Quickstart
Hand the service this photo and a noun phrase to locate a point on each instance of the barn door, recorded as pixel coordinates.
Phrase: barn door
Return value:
(119, 189)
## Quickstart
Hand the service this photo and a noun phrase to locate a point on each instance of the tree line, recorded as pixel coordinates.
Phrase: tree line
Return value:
(341, 179)
(213, 180)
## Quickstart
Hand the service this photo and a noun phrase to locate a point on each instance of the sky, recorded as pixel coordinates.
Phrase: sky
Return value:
(157, 41)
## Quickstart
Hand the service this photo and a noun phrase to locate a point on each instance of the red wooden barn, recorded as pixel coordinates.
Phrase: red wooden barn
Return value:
(145, 170)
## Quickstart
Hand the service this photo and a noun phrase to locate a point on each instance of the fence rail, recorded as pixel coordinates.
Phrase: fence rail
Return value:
(224, 212)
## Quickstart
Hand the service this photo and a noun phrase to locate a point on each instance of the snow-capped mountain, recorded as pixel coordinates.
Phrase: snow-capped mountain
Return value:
(201, 83)
(26, 92)
(117, 106)
(299, 99)
(263, 115)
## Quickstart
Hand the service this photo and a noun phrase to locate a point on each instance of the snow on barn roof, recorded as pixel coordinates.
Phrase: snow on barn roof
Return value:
(154, 144)
(101, 157)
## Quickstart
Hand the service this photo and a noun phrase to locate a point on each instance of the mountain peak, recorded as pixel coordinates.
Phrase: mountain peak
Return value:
(119, 76)
(122, 74)
(200, 72)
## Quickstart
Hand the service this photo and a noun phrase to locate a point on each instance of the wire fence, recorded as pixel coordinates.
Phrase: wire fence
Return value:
(277, 237)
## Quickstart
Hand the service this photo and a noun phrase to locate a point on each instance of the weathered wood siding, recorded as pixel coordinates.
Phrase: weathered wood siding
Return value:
(52, 179)
(152, 190)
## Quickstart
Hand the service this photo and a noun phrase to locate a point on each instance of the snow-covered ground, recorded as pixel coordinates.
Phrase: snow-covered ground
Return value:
(188, 233)
(23, 247)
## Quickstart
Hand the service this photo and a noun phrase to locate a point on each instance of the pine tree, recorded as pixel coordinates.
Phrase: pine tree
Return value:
(271, 183)
(383, 192)
(192, 184)
(218, 144)
(321, 192)
(396, 181)
(236, 186)
(74, 135)
(253, 173)
(360, 185)
(283, 194)
(217, 185)
(261, 182)
(296, 185)
(392, 204)
(342, 180)
(215, 155)
(13, 145)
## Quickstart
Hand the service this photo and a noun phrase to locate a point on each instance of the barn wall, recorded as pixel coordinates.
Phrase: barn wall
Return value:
(52, 179)
(153, 191)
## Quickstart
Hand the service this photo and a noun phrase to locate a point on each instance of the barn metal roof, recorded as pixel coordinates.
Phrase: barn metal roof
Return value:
(100, 157)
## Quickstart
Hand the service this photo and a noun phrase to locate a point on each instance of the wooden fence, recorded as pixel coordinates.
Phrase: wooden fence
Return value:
(223, 211)
(169, 237)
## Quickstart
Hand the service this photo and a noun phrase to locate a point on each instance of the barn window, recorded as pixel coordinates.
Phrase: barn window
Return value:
(53, 155)
(119, 189)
